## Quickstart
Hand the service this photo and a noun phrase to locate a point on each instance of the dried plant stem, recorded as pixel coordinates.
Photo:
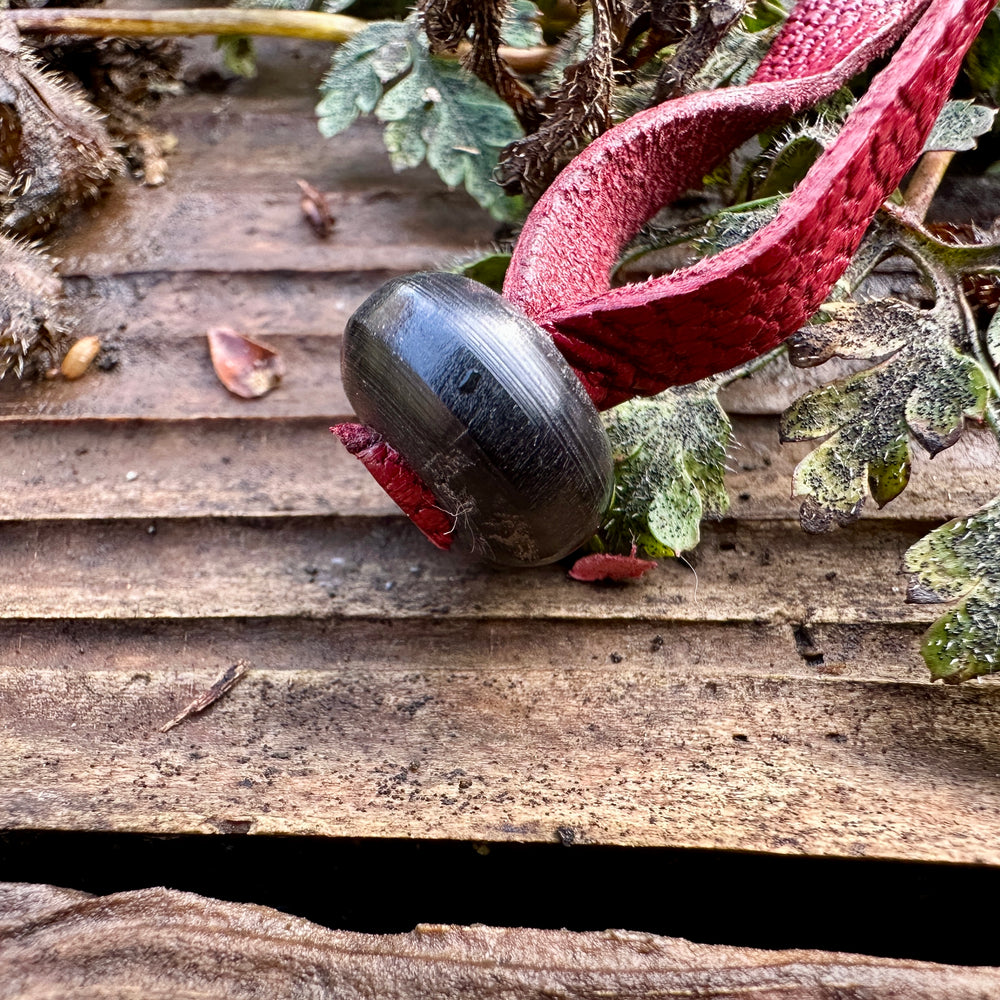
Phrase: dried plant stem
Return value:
(313, 25)
(224, 684)
(159, 23)
(925, 181)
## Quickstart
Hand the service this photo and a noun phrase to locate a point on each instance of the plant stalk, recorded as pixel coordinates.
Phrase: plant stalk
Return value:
(311, 25)
(159, 23)
(925, 181)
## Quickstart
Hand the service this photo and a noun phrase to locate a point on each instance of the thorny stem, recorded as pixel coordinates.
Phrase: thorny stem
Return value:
(312, 25)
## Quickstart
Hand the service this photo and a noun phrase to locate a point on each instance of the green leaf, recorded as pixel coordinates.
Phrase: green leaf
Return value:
(521, 28)
(869, 330)
(441, 113)
(735, 225)
(789, 165)
(982, 62)
(489, 270)
(958, 126)
(960, 561)
(763, 14)
(670, 455)
(925, 387)
(993, 340)
(375, 56)
(238, 51)
(433, 110)
(788, 154)
(888, 476)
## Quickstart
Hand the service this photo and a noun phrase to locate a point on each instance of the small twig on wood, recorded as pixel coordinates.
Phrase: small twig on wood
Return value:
(213, 694)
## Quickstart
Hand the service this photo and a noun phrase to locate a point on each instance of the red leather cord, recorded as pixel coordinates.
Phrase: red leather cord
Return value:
(727, 309)
(393, 473)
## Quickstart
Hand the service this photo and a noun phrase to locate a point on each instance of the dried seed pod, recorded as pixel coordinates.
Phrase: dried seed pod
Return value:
(481, 405)
(54, 149)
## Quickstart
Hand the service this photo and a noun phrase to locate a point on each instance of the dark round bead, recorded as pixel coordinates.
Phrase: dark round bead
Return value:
(477, 399)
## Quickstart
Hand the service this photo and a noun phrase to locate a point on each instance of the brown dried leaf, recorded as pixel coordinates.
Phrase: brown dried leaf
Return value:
(244, 367)
(157, 943)
(316, 210)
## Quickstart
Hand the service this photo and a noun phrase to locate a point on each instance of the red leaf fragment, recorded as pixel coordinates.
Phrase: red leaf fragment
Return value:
(606, 566)
(244, 367)
(394, 474)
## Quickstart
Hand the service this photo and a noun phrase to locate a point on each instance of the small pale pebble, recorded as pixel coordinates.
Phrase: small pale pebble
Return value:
(131, 476)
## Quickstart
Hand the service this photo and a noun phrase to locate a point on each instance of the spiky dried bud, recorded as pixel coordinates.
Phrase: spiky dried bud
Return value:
(30, 291)
(124, 79)
(53, 144)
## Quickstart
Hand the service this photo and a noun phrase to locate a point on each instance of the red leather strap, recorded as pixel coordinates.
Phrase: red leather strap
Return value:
(640, 339)
(395, 475)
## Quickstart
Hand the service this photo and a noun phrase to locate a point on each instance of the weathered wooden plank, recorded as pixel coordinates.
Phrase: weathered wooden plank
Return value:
(645, 748)
(382, 567)
(232, 203)
(155, 380)
(153, 330)
(263, 465)
(868, 652)
(135, 469)
(154, 529)
(157, 943)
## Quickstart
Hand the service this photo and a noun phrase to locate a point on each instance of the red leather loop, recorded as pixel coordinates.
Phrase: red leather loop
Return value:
(640, 339)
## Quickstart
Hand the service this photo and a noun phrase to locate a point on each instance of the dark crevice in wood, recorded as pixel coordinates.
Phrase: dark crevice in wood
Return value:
(892, 909)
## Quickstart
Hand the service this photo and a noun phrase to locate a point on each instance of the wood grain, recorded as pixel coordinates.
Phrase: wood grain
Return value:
(381, 568)
(154, 530)
(636, 733)
(252, 465)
